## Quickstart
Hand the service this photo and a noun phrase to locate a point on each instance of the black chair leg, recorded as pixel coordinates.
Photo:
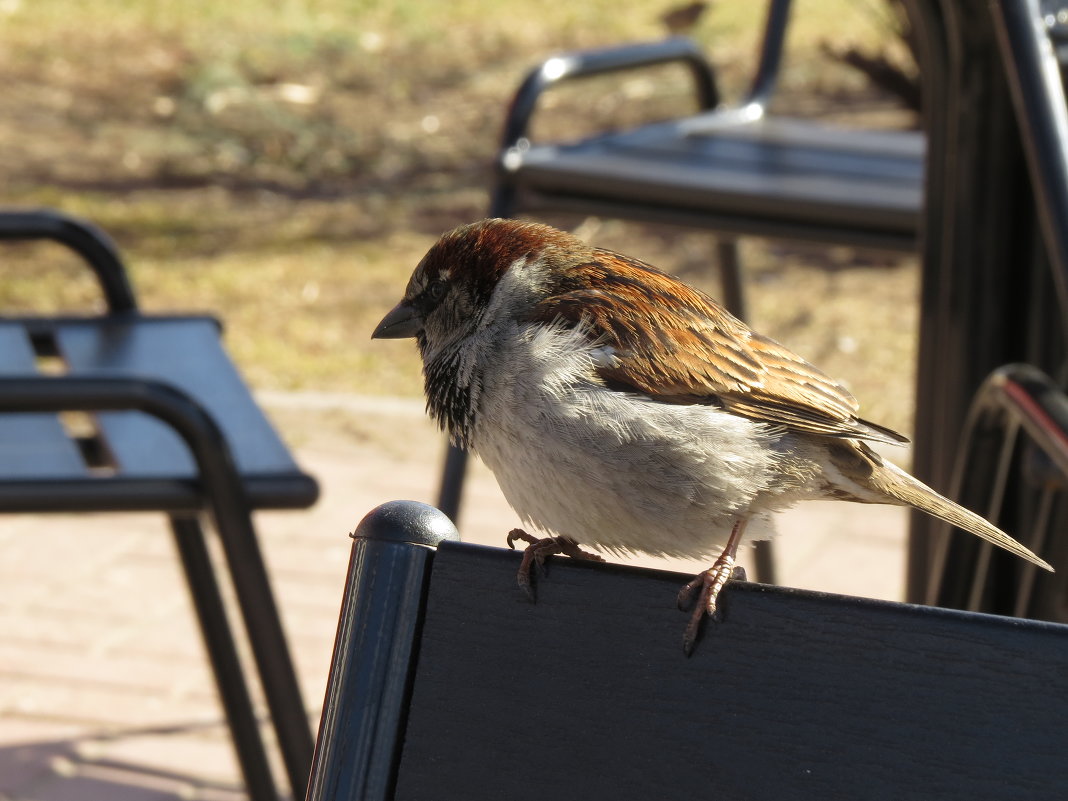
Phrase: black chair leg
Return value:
(730, 276)
(452, 482)
(268, 641)
(219, 641)
(233, 518)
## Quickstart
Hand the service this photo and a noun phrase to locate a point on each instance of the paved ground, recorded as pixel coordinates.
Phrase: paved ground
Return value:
(104, 688)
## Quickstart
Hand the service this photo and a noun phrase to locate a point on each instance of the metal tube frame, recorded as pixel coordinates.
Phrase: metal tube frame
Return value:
(1017, 402)
(85, 239)
(358, 749)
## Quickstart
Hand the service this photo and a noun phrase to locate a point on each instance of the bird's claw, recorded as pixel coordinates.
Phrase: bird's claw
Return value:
(685, 598)
(533, 557)
(535, 554)
(706, 587)
(518, 534)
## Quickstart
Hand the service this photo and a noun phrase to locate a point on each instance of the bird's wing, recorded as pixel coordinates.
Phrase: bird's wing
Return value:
(675, 344)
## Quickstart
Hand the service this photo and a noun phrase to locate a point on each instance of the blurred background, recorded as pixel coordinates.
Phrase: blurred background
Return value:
(285, 165)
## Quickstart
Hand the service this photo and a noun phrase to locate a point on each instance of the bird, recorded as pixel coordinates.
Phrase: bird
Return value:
(623, 410)
(680, 19)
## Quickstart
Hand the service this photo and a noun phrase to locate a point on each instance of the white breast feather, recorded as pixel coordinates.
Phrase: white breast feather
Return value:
(611, 469)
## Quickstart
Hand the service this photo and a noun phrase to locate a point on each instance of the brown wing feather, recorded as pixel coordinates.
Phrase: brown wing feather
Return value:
(677, 345)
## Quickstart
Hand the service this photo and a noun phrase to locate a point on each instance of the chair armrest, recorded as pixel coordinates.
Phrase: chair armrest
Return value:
(587, 63)
(85, 239)
(174, 407)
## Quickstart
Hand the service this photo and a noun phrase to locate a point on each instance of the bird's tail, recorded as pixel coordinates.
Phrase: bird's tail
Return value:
(913, 492)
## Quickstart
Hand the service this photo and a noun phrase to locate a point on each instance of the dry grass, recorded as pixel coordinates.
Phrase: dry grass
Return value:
(285, 165)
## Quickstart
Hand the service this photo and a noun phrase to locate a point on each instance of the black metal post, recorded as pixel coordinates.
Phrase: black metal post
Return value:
(974, 213)
(452, 481)
(1034, 80)
(362, 726)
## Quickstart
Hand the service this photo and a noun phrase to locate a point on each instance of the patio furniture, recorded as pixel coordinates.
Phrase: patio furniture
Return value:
(995, 252)
(170, 427)
(446, 683)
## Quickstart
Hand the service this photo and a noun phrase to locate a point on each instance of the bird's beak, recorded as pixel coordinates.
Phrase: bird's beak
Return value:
(402, 322)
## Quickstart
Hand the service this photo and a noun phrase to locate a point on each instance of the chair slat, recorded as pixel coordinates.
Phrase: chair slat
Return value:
(32, 446)
(187, 351)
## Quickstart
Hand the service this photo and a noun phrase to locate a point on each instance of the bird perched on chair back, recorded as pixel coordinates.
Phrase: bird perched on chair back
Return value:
(622, 409)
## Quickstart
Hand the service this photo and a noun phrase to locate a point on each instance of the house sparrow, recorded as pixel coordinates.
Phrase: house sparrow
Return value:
(680, 19)
(622, 409)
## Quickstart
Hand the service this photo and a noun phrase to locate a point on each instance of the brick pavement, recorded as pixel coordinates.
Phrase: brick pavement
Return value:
(105, 691)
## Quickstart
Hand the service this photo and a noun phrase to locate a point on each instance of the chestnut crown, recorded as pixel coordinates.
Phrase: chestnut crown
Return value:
(454, 282)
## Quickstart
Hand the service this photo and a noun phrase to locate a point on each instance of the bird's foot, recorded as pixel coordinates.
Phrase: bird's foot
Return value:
(537, 551)
(706, 588)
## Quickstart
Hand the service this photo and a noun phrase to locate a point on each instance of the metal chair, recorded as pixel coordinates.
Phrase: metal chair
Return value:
(995, 251)
(736, 169)
(175, 430)
(446, 684)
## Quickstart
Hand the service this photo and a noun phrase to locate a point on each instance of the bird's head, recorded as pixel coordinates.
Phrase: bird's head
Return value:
(475, 276)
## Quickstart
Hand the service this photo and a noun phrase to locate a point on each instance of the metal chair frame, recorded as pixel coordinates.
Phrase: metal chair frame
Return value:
(216, 482)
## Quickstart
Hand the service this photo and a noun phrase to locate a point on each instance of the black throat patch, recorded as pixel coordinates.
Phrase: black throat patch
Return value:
(454, 405)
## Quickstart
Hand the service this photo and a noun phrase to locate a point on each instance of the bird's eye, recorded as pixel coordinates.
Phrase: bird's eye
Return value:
(436, 290)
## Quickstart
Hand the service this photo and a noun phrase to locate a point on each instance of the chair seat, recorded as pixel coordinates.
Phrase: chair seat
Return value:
(772, 176)
(31, 445)
(147, 464)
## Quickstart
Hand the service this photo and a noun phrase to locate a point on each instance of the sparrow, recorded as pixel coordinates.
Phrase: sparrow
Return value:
(622, 409)
(680, 19)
